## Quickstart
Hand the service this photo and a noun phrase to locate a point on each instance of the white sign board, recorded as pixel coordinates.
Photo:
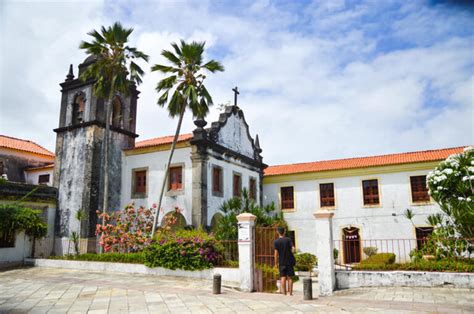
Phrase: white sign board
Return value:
(244, 232)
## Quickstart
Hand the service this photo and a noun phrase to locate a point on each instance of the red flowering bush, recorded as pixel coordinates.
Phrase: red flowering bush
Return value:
(125, 231)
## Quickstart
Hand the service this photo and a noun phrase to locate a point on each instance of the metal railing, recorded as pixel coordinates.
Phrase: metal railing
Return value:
(230, 254)
(350, 252)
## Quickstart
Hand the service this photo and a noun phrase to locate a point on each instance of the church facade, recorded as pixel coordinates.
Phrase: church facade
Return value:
(368, 195)
(203, 164)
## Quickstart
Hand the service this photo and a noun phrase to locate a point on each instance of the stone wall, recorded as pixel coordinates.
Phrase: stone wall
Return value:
(355, 279)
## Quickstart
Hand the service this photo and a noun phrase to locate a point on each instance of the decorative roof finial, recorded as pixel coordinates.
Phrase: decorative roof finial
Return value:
(70, 75)
(257, 144)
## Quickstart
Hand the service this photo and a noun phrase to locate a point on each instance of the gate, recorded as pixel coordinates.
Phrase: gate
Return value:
(265, 270)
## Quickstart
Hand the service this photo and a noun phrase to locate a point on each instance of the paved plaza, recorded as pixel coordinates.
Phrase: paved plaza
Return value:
(48, 290)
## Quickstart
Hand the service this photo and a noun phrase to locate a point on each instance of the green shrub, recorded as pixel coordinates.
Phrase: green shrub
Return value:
(335, 253)
(450, 265)
(184, 249)
(134, 258)
(305, 261)
(370, 250)
(380, 258)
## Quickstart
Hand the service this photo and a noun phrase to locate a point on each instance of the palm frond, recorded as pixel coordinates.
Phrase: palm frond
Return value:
(171, 57)
(164, 68)
(213, 66)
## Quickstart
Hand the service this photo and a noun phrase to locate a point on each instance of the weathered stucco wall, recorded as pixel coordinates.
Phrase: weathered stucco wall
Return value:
(234, 136)
(43, 200)
(229, 166)
(16, 162)
(355, 279)
(32, 176)
(386, 221)
(155, 164)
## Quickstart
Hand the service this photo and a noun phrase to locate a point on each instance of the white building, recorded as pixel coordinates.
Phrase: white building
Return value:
(368, 197)
(208, 167)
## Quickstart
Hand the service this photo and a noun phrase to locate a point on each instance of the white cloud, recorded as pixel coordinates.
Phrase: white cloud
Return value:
(326, 92)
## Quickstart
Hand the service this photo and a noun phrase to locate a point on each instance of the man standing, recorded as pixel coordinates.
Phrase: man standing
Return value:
(284, 249)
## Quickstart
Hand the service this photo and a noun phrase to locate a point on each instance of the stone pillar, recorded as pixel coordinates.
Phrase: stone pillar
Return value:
(199, 194)
(324, 252)
(199, 159)
(246, 224)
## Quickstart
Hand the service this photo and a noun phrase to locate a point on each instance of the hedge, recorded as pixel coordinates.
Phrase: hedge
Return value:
(133, 258)
(462, 265)
(380, 258)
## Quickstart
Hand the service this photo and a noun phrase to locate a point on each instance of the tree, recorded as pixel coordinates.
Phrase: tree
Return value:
(185, 87)
(113, 71)
(265, 216)
(451, 186)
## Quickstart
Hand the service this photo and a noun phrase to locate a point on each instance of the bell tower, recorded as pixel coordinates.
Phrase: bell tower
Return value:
(78, 171)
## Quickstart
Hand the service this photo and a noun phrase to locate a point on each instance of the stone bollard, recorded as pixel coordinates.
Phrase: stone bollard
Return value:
(307, 288)
(216, 287)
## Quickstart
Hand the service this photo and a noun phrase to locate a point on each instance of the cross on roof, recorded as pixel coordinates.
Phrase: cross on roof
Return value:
(236, 92)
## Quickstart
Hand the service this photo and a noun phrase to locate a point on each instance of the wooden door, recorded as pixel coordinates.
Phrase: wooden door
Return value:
(351, 245)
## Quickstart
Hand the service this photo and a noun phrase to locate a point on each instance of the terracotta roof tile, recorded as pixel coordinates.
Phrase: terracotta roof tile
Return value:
(47, 166)
(363, 162)
(24, 145)
(162, 140)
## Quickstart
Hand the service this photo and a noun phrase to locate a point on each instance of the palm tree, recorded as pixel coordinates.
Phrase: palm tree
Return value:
(185, 86)
(113, 71)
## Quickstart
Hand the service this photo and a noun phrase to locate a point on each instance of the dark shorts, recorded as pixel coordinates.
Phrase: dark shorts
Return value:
(286, 270)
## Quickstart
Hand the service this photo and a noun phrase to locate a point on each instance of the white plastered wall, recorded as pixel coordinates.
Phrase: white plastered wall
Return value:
(229, 166)
(32, 176)
(386, 221)
(155, 163)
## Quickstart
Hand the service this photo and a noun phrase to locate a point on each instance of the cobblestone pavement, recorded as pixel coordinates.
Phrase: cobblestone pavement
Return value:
(41, 290)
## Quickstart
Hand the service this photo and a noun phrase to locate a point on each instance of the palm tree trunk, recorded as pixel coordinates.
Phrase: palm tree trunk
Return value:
(173, 145)
(105, 203)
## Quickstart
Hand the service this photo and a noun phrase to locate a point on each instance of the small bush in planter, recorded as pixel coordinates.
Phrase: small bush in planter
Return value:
(305, 261)
(335, 253)
(183, 249)
(380, 258)
(370, 250)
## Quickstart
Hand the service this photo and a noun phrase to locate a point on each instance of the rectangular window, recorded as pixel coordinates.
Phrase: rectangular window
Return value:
(237, 185)
(422, 234)
(292, 235)
(139, 187)
(326, 194)
(371, 192)
(217, 181)
(252, 188)
(43, 179)
(287, 197)
(175, 179)
(419, 192)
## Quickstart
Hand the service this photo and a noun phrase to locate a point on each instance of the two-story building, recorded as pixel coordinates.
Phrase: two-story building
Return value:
(367, 195)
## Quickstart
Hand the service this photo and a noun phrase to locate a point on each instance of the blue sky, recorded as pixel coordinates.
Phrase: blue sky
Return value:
(318, 79)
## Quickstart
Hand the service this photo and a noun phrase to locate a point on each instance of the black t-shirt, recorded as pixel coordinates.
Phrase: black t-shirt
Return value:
(285, 255)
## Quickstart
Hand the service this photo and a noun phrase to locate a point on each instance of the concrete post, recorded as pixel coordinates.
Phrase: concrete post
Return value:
(216, 285)
(324, 252)
(246, 242)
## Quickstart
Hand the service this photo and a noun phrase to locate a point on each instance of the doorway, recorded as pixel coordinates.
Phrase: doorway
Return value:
(351, 245)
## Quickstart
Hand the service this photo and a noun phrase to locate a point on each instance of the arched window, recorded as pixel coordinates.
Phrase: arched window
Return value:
(116, 119)
(176, 220)
(78, 107)
(215, 220)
